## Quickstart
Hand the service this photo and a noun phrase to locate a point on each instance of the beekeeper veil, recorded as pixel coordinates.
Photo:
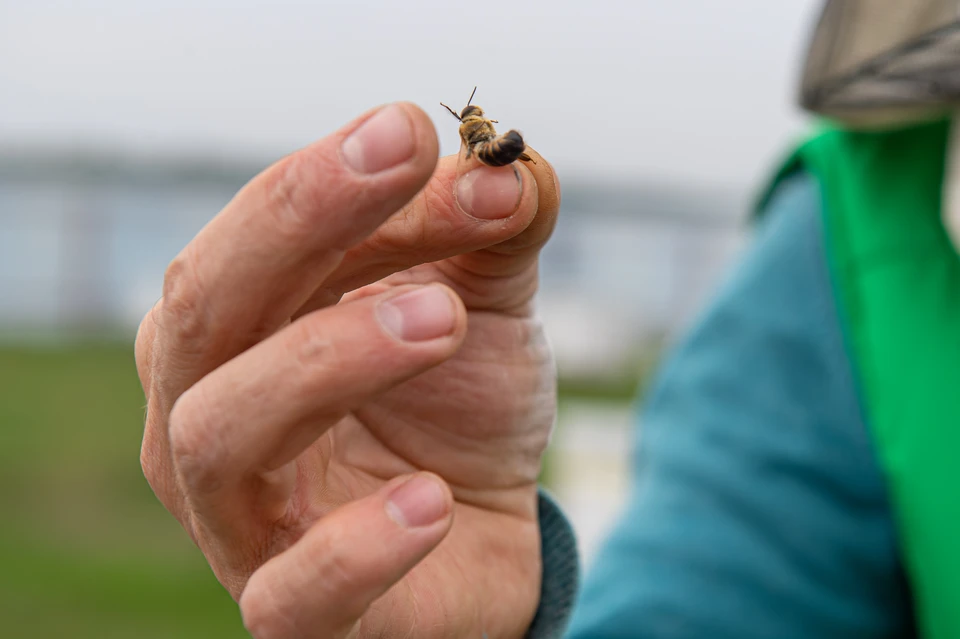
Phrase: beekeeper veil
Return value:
(881, 63)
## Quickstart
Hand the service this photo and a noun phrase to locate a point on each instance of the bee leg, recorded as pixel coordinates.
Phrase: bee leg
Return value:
(469, 151)
(526, 158)
(495, 121)
(455, 114)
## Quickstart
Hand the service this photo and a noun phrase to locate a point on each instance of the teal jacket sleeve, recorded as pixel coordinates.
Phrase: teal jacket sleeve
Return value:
(757, 510)
(561, 572)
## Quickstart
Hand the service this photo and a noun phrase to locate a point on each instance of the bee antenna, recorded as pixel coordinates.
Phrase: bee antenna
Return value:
(471, 96)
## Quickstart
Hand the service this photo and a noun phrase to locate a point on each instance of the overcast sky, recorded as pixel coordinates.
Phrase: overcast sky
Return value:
(664, 89)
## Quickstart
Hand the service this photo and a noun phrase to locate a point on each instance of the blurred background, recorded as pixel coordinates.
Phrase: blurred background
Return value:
(125, 125)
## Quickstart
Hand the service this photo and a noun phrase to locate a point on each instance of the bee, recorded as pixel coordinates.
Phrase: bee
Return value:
(480, 137)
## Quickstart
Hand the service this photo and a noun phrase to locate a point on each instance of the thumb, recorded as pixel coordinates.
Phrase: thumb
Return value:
(323, 584)
(503, 276)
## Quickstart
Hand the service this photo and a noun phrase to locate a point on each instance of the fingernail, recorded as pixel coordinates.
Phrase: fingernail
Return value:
(490, 193)
(383, 141)
(420, 315)
(419, 501)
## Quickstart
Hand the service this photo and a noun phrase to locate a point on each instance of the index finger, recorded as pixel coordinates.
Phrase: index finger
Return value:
(247, 271)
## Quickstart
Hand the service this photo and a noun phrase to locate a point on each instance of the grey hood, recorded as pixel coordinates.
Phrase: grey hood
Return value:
(877, 61)
(881, 63)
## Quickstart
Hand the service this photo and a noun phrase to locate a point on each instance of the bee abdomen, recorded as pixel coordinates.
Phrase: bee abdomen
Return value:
(502, 150)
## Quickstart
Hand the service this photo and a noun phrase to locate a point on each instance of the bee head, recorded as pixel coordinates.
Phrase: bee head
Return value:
(471, 111)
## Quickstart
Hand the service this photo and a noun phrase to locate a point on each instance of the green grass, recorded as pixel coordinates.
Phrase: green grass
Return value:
(85, 548)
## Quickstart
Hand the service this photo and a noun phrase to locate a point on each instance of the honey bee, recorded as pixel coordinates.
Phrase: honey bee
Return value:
(480, 137)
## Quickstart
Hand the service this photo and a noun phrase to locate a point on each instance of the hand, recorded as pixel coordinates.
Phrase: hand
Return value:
(349, 392)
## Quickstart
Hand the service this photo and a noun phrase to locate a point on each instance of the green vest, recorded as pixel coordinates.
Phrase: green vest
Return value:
(896, 279)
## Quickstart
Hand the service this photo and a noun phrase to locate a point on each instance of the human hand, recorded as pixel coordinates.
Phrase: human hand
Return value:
(349, 392)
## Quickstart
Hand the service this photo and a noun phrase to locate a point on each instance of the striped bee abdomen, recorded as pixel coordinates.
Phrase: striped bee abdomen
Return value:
(481, 139)
(502, 150)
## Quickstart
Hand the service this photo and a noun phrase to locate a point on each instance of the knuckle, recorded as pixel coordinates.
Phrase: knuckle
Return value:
(263, 615)
(409, 234)
(152, 461)
(318, 362)
(143, 348)
(296, 195)
(435, 208)
(315, 353)
(156, 468)
(436, 199)
(431, 215)
(151, 465)
(342, 579)
(198, 452)
(183, 309)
